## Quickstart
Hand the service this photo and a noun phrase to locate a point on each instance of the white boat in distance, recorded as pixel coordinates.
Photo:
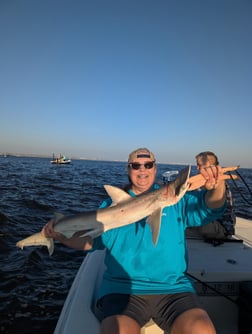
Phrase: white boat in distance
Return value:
(222, 275)
(60, 160)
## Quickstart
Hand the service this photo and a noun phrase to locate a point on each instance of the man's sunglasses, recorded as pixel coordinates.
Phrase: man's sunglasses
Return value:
(137, 165)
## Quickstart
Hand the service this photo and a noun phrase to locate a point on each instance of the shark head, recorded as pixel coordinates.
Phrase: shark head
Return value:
(180, 184)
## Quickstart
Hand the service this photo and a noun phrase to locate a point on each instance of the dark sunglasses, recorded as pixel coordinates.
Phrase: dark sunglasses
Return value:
(137, 165)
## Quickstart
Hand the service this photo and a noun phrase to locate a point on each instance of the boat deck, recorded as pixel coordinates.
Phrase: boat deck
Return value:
(222, 268)
(226, 262)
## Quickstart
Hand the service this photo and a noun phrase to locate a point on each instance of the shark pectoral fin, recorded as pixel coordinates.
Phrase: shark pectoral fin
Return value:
(93, 233)
(117, 195)
(154, 220)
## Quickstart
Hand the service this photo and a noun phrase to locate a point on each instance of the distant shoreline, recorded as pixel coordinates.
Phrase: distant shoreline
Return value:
(30, 155)
(46, 156)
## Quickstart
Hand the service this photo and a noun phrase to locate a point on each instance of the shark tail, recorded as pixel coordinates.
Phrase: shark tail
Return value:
(37, 239)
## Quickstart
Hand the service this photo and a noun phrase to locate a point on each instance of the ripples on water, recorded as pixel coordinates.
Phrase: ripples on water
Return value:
(33, 286)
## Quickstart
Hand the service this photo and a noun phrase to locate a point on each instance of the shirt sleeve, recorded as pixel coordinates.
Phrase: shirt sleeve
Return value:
(197, 213)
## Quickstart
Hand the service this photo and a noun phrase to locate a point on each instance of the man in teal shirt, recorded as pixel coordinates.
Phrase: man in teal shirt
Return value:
(142, 280)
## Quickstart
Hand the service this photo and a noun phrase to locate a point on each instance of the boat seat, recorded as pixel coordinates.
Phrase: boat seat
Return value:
(152, 328)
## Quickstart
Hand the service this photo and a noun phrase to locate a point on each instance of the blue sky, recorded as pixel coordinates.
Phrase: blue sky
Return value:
(97, 79)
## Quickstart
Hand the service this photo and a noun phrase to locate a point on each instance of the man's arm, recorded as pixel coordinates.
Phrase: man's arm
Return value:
(216, 189)
(76, 242)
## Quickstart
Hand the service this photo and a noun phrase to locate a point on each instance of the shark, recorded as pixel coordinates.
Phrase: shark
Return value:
(124, 210)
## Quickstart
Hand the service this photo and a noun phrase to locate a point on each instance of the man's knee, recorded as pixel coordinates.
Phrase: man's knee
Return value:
(194, 321)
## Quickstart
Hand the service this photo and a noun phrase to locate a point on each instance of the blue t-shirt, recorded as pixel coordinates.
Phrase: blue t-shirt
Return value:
(134, 265)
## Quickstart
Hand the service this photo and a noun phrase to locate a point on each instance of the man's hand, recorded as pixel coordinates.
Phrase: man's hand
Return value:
(75, 241)
(49, 232)
(212, 175)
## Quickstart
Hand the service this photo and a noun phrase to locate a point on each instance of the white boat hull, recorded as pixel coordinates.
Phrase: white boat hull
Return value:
(61, 162)
(222, 267)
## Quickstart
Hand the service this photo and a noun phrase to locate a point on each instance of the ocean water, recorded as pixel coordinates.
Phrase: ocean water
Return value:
(34, 285)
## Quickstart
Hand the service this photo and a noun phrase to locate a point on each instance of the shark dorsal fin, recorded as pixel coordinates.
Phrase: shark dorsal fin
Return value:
(154, 220)
(117, 195)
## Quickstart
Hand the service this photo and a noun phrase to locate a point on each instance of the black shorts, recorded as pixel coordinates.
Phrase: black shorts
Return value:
(163, 309)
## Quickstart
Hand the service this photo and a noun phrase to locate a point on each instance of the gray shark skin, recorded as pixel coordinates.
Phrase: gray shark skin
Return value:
(124, 210)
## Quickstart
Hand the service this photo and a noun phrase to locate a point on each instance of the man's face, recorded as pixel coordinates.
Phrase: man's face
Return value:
(205, 161)
(144, 176)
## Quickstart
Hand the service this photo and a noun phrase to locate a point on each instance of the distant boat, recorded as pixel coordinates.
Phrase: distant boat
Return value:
(61, 160)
